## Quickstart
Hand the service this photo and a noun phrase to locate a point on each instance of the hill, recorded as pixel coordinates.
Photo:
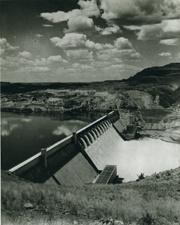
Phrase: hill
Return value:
(156, 197)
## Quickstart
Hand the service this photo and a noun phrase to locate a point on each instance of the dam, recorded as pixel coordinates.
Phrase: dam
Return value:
(80, 158)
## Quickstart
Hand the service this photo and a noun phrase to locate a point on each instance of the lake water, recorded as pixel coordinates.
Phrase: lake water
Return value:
(24, 135)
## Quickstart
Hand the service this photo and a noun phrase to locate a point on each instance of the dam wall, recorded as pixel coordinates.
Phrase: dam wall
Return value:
(104, 150)
(75, 160)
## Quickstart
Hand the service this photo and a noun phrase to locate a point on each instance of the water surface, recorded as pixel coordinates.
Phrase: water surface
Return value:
(23, 135)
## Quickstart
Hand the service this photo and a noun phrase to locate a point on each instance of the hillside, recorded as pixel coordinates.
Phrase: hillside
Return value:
(156, 87)
(156, 197)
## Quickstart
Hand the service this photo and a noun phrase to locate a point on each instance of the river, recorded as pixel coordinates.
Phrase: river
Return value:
(22, 136)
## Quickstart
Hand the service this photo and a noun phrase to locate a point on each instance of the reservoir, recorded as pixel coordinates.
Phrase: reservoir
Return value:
(22, 136)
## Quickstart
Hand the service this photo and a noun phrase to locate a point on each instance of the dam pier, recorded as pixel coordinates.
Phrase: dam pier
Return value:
(80, 158)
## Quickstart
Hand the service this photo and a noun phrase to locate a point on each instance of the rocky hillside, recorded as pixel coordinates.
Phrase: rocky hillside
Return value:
(161, 82)
(156, 87)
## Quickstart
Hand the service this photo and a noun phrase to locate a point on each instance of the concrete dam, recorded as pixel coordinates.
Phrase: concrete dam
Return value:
(84, 157)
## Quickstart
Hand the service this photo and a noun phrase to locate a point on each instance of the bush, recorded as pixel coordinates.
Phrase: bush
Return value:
(141, 176)
(147, 219)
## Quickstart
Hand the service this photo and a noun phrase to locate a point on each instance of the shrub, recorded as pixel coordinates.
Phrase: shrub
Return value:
(147, 219)
(141, 176)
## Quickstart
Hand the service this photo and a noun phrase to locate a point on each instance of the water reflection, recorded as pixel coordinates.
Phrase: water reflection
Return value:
(23, 135)
(8, 126)
(68, 127)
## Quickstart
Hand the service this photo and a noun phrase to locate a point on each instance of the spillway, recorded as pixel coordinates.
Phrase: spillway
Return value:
(104, 150)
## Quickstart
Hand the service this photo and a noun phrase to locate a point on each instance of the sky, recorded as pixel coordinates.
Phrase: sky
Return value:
(84, 41)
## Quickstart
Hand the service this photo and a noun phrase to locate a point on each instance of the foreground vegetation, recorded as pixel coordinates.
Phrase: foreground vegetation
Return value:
(156, 197)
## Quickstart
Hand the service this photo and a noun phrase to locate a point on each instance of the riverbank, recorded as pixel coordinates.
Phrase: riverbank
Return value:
(29, 203)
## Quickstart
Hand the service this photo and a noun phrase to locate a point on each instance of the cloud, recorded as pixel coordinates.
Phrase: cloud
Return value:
(76, 40)
(166, 29)
(70, 40)
(25, 54)
(79, 54)
(148, 32)
(88, 9)
(114, 29)
(92, 45)
(114, 54)
(166, 54)
(78, 20)
(178, 56)
(60, 16)
(174, 41)
(121, 50)
(138, 12)
(80, 23)
(122, 43)
(34, 69)
(5, 46)
(56, 59)
(82, 66)
(171, 26)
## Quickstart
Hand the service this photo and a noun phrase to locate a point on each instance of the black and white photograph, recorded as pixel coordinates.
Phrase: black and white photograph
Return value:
(90, 112)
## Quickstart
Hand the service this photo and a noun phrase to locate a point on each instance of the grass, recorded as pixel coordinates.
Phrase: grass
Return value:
(125, 202)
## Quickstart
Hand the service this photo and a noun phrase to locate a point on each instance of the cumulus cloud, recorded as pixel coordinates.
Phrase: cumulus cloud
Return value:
(166, 54)
(78, 20)
(70, 40)
(35, 69)
(121, 50)
(92, 45)
(122, 43)
(165, 29)
(56, 59)
(110, 30)
(174, 41)
(80, 54)
(5, 46)
(25, 54)
(121, 54)
(88, 8)
(76, 40)
(80, 24)
(134, 12)
(60, 16)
